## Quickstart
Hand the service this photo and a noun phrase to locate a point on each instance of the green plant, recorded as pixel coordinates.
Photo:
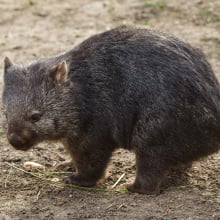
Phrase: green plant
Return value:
(155, 5)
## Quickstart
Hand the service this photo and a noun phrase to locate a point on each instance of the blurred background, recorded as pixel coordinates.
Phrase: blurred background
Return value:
(30, 29)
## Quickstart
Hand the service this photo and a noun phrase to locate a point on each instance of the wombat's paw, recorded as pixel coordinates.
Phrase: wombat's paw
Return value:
(142, 190)
(77, 180)
(65, 166)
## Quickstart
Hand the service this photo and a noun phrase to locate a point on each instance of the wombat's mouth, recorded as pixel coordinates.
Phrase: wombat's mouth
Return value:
(24, 147)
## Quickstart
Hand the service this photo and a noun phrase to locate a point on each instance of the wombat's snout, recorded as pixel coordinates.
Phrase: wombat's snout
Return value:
(21, 140)
(16, 140)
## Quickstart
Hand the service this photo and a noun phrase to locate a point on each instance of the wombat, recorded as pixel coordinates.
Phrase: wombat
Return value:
(137, 89)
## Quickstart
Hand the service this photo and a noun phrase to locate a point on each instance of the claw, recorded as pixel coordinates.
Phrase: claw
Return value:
(65, 166)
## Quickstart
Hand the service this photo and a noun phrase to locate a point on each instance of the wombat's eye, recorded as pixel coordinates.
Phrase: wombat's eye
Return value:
(36, 117)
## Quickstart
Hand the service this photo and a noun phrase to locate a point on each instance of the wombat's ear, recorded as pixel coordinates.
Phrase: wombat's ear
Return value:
(7, 63)
(59, 73)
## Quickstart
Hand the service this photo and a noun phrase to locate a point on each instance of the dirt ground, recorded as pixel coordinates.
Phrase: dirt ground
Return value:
(30, 29)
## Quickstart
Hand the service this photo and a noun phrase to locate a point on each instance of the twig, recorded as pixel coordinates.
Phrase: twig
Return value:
(121, 206)
(119, 179)
(24, 171)
(38, 194)
(50, 173)
(6, 179)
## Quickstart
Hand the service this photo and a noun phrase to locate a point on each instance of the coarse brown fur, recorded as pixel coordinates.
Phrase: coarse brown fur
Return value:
(137, 89)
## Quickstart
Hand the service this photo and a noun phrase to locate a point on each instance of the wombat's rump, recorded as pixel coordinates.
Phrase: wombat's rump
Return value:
(132, 88)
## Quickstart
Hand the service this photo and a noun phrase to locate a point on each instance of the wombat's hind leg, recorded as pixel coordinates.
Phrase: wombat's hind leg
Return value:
(150, 170)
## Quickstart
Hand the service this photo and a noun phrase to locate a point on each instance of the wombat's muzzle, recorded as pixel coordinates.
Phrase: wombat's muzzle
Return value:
(20, 142)
(15, 140)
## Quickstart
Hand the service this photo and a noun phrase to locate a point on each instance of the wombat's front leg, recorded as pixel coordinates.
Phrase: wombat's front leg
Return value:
(90, 162)
(151, 168)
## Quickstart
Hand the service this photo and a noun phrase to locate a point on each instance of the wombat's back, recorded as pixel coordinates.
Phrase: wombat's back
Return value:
(131, 71)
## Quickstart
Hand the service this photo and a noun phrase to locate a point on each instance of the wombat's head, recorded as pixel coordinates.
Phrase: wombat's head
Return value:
(33, 102)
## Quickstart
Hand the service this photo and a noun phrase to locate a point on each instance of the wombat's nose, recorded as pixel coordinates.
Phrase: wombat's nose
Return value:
(16, 140)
